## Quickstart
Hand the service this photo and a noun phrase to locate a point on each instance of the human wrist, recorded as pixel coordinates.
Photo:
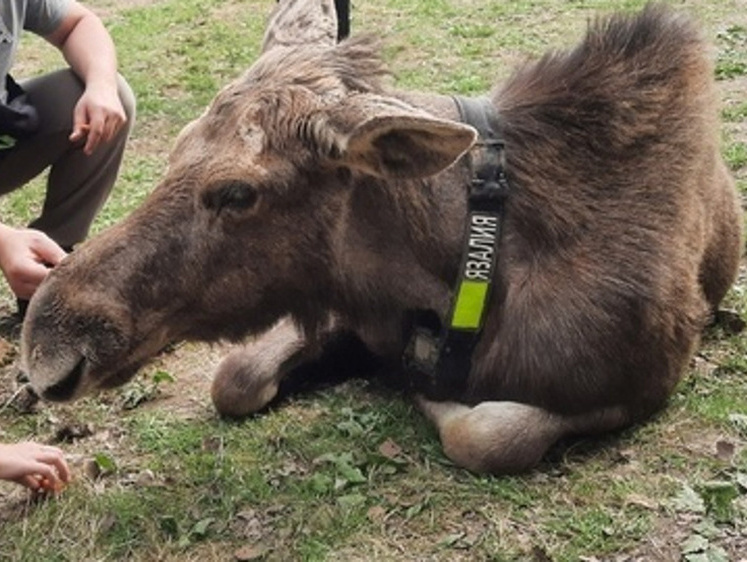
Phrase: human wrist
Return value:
(6, 232)
(5, 451)
(101, 78)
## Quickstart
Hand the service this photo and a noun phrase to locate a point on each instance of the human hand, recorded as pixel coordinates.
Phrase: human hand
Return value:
(38, 467)
(26, 256)
(98, 116)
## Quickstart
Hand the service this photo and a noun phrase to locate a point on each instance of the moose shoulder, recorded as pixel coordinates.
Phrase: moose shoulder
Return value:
(317, 211)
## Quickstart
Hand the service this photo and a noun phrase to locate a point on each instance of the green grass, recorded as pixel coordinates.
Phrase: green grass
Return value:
(356, 473)
(735, 113)
(736, 155)
(731, 63)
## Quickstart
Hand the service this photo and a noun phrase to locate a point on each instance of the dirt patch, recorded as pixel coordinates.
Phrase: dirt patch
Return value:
(192, 367)
(732, 90)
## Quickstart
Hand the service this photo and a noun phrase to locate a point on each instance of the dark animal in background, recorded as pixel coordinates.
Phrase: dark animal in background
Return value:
(312, 205)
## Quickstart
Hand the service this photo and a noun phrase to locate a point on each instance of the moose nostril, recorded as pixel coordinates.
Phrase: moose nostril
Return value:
(65, 389)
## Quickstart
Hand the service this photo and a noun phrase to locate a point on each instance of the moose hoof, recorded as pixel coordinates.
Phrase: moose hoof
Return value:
(241, 386)
(494, 437)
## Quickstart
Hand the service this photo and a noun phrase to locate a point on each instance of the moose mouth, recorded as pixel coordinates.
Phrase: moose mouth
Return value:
(64, 390)
(82, 379)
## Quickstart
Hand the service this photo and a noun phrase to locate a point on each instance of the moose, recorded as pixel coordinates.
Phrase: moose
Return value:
(535, 264)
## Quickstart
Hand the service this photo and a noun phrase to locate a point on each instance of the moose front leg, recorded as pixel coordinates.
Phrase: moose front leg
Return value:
(509, 437)
(282, 362)
(248, 378)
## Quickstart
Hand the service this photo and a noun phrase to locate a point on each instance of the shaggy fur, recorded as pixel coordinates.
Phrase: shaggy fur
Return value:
(314, 208)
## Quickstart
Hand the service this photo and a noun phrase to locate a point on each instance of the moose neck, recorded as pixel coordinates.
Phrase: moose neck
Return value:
(439, 353)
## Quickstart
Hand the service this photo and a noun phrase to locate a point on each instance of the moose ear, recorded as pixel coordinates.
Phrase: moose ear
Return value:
(390, 139)
(301, 22)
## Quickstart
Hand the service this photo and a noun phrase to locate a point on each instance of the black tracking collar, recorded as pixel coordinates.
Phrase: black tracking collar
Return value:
(439, 356)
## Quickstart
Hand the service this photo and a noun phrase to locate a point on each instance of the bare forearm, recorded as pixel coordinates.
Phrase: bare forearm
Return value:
(89, 51)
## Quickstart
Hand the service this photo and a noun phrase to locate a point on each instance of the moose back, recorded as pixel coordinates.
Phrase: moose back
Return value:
(313, 211)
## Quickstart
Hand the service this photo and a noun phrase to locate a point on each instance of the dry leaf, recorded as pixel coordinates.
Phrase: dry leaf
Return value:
(725, 450)
(390, 449)
(376, 514)
(641, 501)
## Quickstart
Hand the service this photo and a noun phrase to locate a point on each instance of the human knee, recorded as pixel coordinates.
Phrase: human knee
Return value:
(128, 101)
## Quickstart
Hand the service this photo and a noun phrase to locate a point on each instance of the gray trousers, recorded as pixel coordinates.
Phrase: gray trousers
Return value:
(77, 185)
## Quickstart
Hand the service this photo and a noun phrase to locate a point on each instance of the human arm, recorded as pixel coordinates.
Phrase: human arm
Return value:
(26, 255)
(89, 50)
(36, 466)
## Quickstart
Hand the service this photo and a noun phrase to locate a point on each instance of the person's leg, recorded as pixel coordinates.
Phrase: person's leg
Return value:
(343, 18)
(78, 185)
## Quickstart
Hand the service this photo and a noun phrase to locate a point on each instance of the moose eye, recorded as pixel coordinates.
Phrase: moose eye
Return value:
(237, 195)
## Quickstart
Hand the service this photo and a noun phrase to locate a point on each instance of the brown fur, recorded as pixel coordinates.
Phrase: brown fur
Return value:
(310, 200)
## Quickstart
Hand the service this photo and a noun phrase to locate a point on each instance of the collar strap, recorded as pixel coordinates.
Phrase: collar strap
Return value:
(440, 356)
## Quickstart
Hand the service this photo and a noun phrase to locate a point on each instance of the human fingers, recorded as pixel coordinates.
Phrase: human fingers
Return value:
(31, 481)
(38, 483)
(95, 136)
(104, 114)
(38, 475)
(88, 122)
(113, 121)
(47, 251)
(81, 125)
(114, 124)
(56, 458)
(30, 265)
(23, 290)
(111, 118)
(52, 472)
(80, 131)
(51, 485)
(24, 283)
